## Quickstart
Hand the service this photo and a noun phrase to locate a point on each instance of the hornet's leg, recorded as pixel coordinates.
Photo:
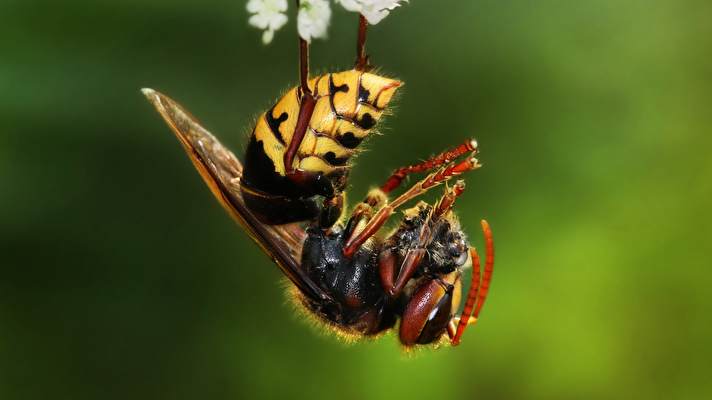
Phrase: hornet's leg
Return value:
(376, 198)
(470, 146)
(380, 218)
(477, 294)
(448, 200)
(364, 211)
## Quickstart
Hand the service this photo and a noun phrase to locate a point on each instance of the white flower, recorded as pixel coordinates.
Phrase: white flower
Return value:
(313, 19)
(350, 5)
(268, 15)
(373, 10)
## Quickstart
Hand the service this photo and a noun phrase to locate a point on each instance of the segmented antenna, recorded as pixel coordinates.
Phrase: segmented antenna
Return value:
(477, 294)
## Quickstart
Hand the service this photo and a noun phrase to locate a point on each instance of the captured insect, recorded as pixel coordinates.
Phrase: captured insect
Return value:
(289, 196)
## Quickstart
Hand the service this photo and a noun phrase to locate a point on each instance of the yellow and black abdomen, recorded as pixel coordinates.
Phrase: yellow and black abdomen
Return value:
(348, 106)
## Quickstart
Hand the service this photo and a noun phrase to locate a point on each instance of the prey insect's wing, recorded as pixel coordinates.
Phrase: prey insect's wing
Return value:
(221, 171)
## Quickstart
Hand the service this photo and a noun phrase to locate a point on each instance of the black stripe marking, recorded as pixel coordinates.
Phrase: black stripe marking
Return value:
(259, 172)
(331, 158)
(315, 92)
(363, 93)
(333, 89)
(366, 122)
(274, 123)
(348, 140)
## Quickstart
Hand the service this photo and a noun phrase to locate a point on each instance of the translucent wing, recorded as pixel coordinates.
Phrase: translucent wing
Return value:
(221, 171)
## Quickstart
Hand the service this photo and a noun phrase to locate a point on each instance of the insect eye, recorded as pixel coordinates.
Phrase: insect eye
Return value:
(457, 250)
(461, 259)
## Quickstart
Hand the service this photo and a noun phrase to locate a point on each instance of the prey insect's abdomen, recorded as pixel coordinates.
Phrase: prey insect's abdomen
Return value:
(347, 106)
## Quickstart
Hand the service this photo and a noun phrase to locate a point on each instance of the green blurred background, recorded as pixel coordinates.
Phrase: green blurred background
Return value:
(122, 278)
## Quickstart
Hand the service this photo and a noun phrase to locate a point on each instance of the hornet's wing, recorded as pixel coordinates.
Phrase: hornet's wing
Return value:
(221, 171)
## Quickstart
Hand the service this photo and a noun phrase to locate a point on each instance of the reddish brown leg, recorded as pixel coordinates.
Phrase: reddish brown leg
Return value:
(361, 57)
(470, 146)
(316, 183)
(446, 202)
(306, 109)
(375, 199)
(364, 211)
(477, 294)
(380, 218)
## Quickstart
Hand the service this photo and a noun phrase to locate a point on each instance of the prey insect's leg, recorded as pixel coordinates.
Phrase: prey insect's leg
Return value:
(315, 182)
(477, 294)
(380, 218)
(470, 146)
(306, 109)
(307, 103)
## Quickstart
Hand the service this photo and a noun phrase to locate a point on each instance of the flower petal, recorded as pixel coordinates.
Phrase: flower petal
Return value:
(350, 5)
(260, 21)
(277, 21)
(254, 6)
(268, 15)
(267, 36)
(313, 19)
(373, 10)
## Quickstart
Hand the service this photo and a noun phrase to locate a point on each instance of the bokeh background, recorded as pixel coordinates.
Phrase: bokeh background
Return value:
(121, 277)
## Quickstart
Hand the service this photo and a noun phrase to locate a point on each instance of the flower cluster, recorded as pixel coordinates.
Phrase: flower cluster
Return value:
(268, 15)
(373, 10)
(313, 16)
